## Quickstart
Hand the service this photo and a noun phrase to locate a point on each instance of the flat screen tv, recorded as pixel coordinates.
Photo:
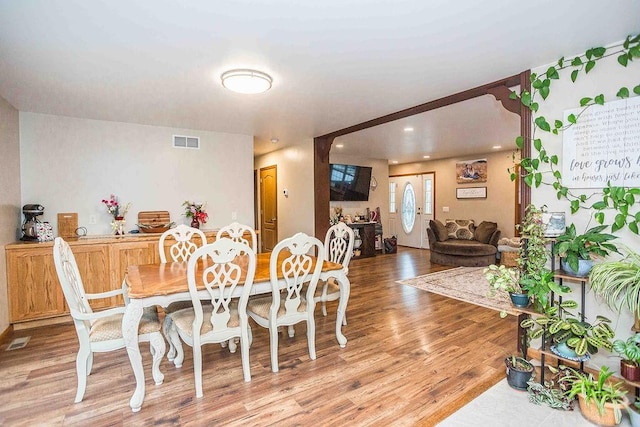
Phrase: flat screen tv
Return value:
(349, 183)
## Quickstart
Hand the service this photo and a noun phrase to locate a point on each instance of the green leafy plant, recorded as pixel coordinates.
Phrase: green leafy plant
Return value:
(502, 278)
(553, 392)
(618, 282)
(562, 326)
(574, 247)
(538, 285)
(599, 391)
(629, 350)
(541, 168)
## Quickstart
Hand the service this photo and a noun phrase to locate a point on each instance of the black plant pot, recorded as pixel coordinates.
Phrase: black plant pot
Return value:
(518, 376)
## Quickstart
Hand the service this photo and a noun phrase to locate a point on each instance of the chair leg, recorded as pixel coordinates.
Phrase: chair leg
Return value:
(324, 298)
(273, 333)
(233, 346)
(166, 327)
(197, 368)
(82, 361)
(157, 347)
(89, 363)
(311, 337)
(174, 339)
(244, 352)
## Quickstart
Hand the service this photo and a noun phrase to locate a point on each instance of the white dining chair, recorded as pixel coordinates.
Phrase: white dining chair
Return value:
(294, 303)
(181, 242)
(338, 244)
(219, 268)
(100, 331)
(235, 231)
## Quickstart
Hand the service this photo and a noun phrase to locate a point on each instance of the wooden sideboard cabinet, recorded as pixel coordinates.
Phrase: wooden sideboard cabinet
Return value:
(365, 239)
(34, 291)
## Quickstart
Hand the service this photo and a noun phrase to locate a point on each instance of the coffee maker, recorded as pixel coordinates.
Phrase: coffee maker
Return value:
(31, 214)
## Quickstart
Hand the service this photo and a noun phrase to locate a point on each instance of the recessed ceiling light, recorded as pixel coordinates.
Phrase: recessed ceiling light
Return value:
(339, 145)
(495, 147)
(274, 140)
(426, 157)
(246, 81)
(408, 129)
(395, 162)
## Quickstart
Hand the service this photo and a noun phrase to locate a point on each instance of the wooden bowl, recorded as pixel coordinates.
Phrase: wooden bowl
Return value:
(152, 228)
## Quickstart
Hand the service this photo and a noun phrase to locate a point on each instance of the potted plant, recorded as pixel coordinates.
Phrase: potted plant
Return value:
(553, 392)
(519, 372)
(539, 286)
(572, 338)
(618, 283)
(629, 350)
(576, 250)
(601, 401)
(634, 413)
(505, 279)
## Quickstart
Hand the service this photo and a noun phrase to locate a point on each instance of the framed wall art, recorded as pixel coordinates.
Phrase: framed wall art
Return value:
(471, 193)
(471, 171)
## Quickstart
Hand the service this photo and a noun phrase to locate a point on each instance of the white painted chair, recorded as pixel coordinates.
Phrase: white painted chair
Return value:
(184, 244)
(338, 245)
(100, 331)
(235, 231)
(185, 240)
(295, 303)
(226, 317)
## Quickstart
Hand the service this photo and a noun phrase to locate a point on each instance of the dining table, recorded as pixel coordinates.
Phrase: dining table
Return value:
(161, 284)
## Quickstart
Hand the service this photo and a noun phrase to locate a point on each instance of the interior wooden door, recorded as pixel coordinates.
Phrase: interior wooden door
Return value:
(268, 208)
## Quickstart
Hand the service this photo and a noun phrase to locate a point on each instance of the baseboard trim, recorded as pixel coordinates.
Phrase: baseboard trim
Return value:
(5, 334)
(41, 322)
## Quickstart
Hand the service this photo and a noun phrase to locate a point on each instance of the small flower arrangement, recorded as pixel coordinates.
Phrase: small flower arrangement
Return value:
(114, 208)
(194, 210)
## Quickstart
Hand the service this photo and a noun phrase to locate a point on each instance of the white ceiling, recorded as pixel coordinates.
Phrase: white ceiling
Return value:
(334, 63)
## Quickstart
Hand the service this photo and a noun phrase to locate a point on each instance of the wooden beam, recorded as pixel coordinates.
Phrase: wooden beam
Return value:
(321, 148)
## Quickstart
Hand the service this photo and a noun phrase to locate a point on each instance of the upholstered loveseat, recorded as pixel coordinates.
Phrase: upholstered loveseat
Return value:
(462, 243)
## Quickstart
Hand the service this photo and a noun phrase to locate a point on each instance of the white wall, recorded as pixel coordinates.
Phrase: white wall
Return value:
(70, 165)
(606, 78)
(295, 173)
(378, 198)
(499, 206)
(9, 196)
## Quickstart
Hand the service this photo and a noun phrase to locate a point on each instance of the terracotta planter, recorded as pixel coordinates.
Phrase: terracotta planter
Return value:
(591, 413)
(630, 370)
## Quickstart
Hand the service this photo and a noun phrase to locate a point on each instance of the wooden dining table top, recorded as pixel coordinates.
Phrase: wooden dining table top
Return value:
(169, 278)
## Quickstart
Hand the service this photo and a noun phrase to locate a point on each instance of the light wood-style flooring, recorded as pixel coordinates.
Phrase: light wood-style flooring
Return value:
(412, 359)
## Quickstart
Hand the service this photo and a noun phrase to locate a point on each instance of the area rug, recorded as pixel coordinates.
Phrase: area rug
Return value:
(466, 284)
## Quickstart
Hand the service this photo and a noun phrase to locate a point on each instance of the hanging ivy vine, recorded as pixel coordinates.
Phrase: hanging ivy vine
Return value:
(542, 168)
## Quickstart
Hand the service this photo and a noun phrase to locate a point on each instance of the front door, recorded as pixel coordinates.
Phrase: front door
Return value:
(414, 198)
(268, 208)
(409, 194)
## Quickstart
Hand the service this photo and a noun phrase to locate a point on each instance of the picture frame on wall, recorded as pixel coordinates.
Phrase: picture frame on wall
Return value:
(471, 193)
(471, 171)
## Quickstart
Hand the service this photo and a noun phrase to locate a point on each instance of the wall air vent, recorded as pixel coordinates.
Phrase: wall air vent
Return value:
(180, 141)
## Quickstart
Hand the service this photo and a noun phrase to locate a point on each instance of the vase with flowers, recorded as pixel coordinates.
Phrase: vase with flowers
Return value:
(118, 212)
(196, 212)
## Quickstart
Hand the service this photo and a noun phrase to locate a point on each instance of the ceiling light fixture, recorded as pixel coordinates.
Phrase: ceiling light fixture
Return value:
(426, 157)
(339, 145)
(274, 140)
(408, 129)
(246, 81)
(395, 162)
(495, 147)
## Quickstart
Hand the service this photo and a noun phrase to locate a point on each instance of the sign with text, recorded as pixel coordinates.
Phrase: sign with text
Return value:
(604, 145)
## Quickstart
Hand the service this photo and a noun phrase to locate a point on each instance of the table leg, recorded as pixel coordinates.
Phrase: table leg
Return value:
(130, 326)
(345, 288)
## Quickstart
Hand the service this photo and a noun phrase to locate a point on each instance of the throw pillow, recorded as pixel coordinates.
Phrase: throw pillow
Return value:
(484, 231)
(461, 229)
(439, 230)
